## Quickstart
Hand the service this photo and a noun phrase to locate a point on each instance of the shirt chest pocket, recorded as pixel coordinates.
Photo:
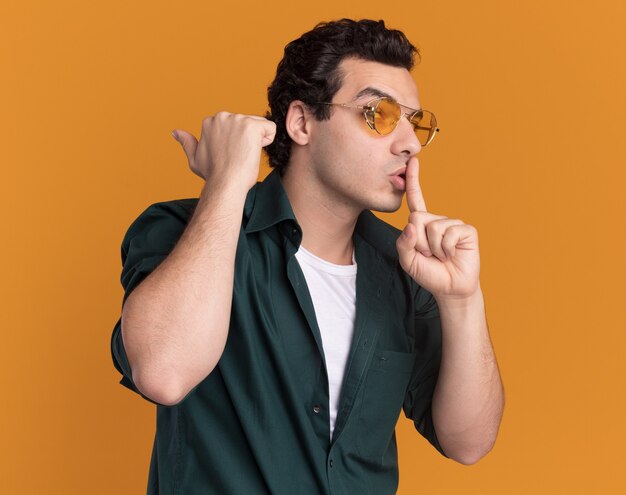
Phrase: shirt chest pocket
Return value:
(383, 394)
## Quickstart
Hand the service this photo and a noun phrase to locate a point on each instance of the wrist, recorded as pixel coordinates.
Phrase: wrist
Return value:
(463, 315)
(231, 190)
(237, 179)
(465, 301)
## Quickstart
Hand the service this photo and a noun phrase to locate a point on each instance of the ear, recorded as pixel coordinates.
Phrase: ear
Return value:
(298, 122)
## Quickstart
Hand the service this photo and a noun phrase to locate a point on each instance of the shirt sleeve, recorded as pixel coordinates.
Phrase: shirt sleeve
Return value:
(148, 241)
(418, 400)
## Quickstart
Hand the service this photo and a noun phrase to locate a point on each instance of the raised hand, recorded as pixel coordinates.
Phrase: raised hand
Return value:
(229, 149)
(439, 253)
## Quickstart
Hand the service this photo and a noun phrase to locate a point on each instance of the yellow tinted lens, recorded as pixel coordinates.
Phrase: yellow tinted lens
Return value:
(386, 116)
(425, 126)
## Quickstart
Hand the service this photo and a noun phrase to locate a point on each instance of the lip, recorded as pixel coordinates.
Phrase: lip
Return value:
(398, 178)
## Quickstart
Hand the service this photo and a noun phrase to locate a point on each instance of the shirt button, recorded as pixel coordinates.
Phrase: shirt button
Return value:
(316, 409)
(330, 463)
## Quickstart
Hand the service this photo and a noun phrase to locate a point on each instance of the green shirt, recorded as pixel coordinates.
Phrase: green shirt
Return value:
(259, 423)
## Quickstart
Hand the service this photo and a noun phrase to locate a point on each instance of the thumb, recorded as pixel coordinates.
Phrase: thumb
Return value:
(187, 141)
(405, 244)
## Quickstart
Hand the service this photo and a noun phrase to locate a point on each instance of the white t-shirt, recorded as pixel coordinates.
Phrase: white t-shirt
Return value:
(333, 291)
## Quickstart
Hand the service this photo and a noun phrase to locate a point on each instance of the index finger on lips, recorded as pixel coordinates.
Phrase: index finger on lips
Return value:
(414, 197)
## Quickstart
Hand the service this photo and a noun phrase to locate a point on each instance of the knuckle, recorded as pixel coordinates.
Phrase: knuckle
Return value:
(433, 228)
(448, 241)
(415, 217)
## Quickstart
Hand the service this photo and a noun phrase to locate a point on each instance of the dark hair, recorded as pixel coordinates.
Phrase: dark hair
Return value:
(309, 70)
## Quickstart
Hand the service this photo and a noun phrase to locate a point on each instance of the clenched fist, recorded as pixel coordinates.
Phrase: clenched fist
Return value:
(229, 149)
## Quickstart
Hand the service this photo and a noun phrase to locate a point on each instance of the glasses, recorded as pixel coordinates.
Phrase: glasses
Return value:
(383, 116)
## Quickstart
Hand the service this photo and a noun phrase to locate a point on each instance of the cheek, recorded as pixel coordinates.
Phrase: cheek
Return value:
(332, 148)
(348, 149)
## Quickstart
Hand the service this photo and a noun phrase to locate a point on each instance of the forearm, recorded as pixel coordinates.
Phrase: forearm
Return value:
(175, 323)
(469, 398)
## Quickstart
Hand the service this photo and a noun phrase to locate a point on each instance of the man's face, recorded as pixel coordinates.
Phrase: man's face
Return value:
(356, 166)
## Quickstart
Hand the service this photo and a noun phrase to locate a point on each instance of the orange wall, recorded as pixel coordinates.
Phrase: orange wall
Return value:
(530, 99)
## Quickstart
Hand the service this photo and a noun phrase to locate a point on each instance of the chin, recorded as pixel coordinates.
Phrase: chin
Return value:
(388, 206)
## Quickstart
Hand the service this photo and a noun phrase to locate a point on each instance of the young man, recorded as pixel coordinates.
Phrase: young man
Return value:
(281, 327)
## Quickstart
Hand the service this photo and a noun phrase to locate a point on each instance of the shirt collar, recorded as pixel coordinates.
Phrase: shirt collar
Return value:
(267, 204)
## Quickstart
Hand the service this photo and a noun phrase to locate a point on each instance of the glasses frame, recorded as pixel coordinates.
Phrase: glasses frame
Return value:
(369, 112)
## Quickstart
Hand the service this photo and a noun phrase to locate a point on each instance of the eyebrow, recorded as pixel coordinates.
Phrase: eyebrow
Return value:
(378, 93)
(369, 91)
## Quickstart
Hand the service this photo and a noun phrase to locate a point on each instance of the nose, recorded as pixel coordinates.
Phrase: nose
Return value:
(405, 141)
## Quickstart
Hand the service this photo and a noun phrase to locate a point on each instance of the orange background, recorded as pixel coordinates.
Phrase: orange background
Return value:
(530, 100)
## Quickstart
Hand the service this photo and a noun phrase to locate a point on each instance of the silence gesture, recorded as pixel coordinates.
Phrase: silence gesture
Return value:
(439, 253)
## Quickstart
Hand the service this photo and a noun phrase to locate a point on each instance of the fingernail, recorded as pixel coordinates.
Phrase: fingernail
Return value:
(175, 136)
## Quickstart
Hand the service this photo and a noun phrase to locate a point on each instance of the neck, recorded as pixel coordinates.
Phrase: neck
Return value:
(327, 225)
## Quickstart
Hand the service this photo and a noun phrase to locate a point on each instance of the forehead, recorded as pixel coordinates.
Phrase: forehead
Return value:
(358, 75)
